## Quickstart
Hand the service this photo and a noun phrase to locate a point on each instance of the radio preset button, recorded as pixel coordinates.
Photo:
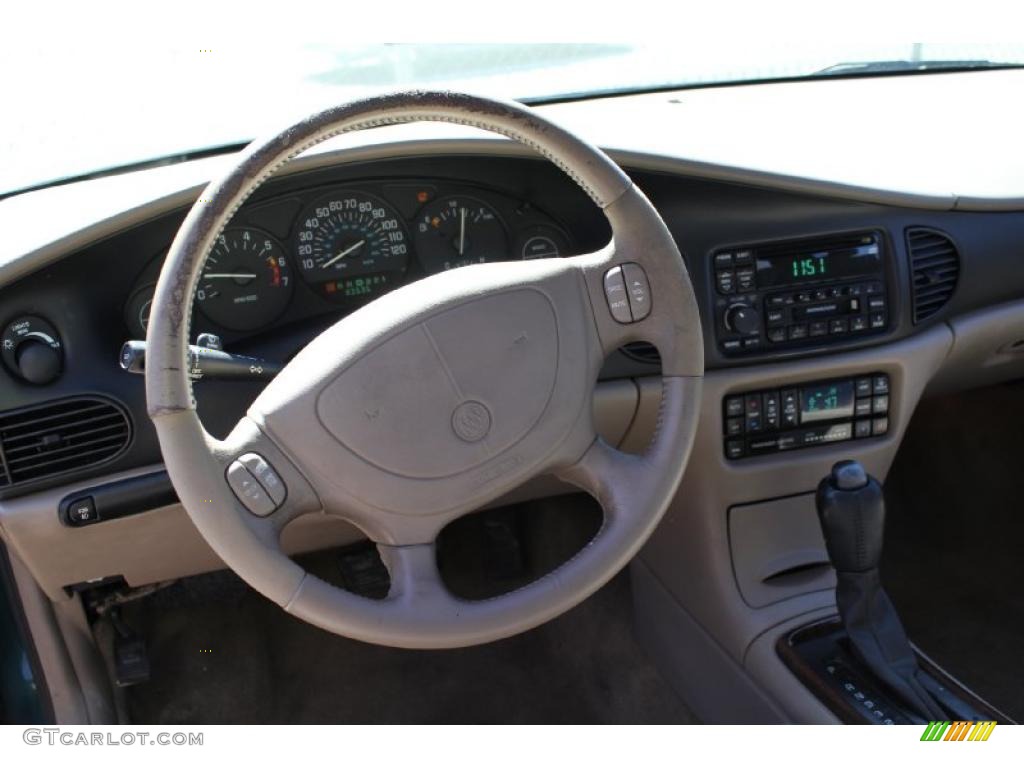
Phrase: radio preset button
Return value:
(819, 328)
(877, 320)
(839, 325)
(798, 331)
(777, 335)
(858, 324)
(776, 317)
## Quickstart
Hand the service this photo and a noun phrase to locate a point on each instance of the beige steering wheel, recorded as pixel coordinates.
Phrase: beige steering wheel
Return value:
(436, 398)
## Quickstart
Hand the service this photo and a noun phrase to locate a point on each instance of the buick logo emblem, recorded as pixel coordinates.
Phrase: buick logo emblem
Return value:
(471, 421)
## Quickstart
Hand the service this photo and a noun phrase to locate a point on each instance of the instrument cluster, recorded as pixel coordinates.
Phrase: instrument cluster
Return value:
(336, 247)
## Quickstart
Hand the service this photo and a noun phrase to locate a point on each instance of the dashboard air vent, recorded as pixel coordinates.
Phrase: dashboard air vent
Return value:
(935, 267)
(60, 436)
(642, 352)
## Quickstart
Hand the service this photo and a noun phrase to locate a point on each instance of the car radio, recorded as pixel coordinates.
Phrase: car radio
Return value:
(800, 293)
(805, 415)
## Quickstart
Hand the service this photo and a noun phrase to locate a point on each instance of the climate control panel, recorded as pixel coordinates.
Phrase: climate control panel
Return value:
(805, 415)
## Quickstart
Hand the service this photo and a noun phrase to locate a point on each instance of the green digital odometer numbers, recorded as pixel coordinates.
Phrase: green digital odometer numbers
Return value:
(810, 266)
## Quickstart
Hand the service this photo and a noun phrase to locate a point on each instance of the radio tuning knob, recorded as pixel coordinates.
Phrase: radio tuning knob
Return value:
(742, 318)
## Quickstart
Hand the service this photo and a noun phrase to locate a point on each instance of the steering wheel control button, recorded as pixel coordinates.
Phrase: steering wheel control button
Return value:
(615, 293)
(83, 511)
(471, 421)
(265, 476)
(628, 292)
(639, 289)
(249, 491)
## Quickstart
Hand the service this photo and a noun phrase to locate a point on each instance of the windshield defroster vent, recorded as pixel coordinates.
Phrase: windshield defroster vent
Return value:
(60, 436)
(934, 267)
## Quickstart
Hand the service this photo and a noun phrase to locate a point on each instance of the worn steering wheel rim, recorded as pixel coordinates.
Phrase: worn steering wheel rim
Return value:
(521, 341)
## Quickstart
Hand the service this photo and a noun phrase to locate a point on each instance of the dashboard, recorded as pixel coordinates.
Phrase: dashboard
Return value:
(327, 249)
(779, 275)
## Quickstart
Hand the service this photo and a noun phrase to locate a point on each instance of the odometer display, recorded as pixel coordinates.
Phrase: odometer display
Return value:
(245, 283)
(347, 234)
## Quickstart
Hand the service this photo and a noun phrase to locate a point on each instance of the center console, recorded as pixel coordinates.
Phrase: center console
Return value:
(800, 293)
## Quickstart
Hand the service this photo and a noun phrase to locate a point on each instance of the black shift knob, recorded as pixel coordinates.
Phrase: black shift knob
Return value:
(852, 513)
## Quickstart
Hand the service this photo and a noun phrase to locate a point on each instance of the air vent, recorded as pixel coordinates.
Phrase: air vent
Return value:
(935, 267)
(642, 352)
(60, 436)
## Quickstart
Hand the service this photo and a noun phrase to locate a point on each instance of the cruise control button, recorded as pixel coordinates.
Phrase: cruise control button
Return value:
(615, 293)
(265, 475)
(248, 490)
(638, 289)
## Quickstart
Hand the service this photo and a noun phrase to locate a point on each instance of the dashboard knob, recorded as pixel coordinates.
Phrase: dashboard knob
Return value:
(37, 361)
(742, 318)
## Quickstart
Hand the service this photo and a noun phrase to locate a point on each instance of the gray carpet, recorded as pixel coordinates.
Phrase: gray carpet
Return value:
(221, 653)
(953, 562)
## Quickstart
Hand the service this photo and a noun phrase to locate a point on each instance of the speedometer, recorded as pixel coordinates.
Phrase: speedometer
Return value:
(351, 243)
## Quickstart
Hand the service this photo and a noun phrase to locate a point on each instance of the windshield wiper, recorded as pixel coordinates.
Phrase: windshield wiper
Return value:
(932, 65)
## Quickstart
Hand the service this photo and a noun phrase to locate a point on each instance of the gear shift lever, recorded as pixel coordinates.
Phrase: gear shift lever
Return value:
(851, 509)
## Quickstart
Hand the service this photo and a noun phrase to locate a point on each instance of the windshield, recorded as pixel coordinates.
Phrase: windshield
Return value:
(80, 114)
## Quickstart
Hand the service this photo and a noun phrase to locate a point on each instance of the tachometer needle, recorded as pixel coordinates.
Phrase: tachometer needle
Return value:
(343, 254)
(462, 232)
(228, 276)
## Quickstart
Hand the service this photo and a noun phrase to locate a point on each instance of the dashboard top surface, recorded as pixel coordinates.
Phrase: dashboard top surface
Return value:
(814, 137)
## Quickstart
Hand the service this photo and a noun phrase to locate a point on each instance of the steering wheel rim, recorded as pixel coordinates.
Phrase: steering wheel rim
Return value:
(498, 361)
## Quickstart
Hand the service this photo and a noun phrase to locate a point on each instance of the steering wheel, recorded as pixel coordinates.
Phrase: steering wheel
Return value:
(436, 398)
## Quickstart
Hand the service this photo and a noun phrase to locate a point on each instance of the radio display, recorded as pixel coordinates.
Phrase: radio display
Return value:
(796, 267)
(826, 401)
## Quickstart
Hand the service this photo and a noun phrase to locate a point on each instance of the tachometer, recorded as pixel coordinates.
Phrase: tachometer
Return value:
(351, 244)
(457, 231)
(246, 282)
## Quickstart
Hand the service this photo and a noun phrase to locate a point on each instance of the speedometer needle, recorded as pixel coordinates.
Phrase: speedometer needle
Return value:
(343, 254)
(228, 276)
